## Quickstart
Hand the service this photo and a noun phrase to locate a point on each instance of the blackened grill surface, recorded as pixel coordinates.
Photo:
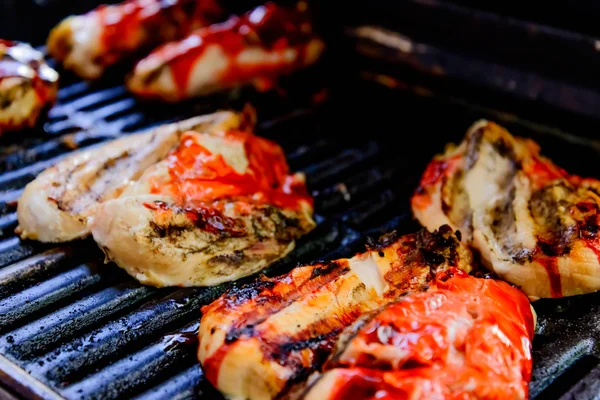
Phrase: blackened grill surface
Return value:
(72, 327)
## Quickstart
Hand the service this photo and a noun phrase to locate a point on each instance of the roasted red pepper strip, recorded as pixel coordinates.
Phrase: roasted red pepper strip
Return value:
(197, 175)
(463, 338)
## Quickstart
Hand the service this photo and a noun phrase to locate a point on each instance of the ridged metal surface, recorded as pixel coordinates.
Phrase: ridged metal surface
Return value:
(72, 327)
(88, 330)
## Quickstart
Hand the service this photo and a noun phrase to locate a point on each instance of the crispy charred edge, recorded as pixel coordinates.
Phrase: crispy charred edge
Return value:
(436, 248)
(284, 352)
(431, 248)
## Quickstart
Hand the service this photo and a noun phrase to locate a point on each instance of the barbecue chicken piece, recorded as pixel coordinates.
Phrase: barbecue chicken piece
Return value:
(258, 47)
(220, 207)
(88, 44)
(57, 205)
(463, 338)
(534, 224)
(258, 341)
(27, 85)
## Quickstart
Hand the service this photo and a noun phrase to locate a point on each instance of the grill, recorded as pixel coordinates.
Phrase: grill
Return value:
(72, 327)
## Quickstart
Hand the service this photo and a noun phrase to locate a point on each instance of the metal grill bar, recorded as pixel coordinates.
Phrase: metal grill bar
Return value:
(40, 335)
(141, 367)
(180, 386)
(73, 327)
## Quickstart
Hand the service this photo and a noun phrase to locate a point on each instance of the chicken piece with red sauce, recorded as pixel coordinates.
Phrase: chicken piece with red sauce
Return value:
(534, 224)
(27, 85)
(259, 341)
(222, 205)
(256, 48)
(462, 338)
(88, 44)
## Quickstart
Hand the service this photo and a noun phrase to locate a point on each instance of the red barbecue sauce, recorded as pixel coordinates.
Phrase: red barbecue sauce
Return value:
(464, 338)
(136, 24)
(208, 219)
(268, 26)
(550, 263)
(197, 176)
(542, 171)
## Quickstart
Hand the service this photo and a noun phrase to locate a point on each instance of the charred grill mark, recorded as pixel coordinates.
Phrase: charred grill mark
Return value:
(505, 149)
(348, 334)
(267, 302)
(384, 241)
(234, 259)
(169, 231)
(66, 200)
(438, 247)
(270, 222)
(235, 334)
(564, 213)
(446, 206)
(319, 338)
(325, 269)
(59, 197)
(274, 303)
(319, 343)
(208, 219)
(239, 295)
(421, 255)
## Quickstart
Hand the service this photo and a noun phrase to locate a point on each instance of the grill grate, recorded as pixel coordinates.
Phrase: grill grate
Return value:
(88, 330)
(72, 327)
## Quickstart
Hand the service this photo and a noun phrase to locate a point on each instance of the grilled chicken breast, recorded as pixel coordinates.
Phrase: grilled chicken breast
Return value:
(88, 44)
(258, 47)
(27, 85)
(220, 207)
(533, 223)
(462, 338)
(258, 341)
(57, 205)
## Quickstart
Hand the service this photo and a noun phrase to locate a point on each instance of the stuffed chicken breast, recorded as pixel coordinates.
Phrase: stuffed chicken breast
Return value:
(259, 341)
(256, 48)
(88, 44)
(533, 223)
(57, 205)
(221, 206)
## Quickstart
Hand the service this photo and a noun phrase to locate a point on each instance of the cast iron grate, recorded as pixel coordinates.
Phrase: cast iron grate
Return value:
(72, 327)
(87, 330)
